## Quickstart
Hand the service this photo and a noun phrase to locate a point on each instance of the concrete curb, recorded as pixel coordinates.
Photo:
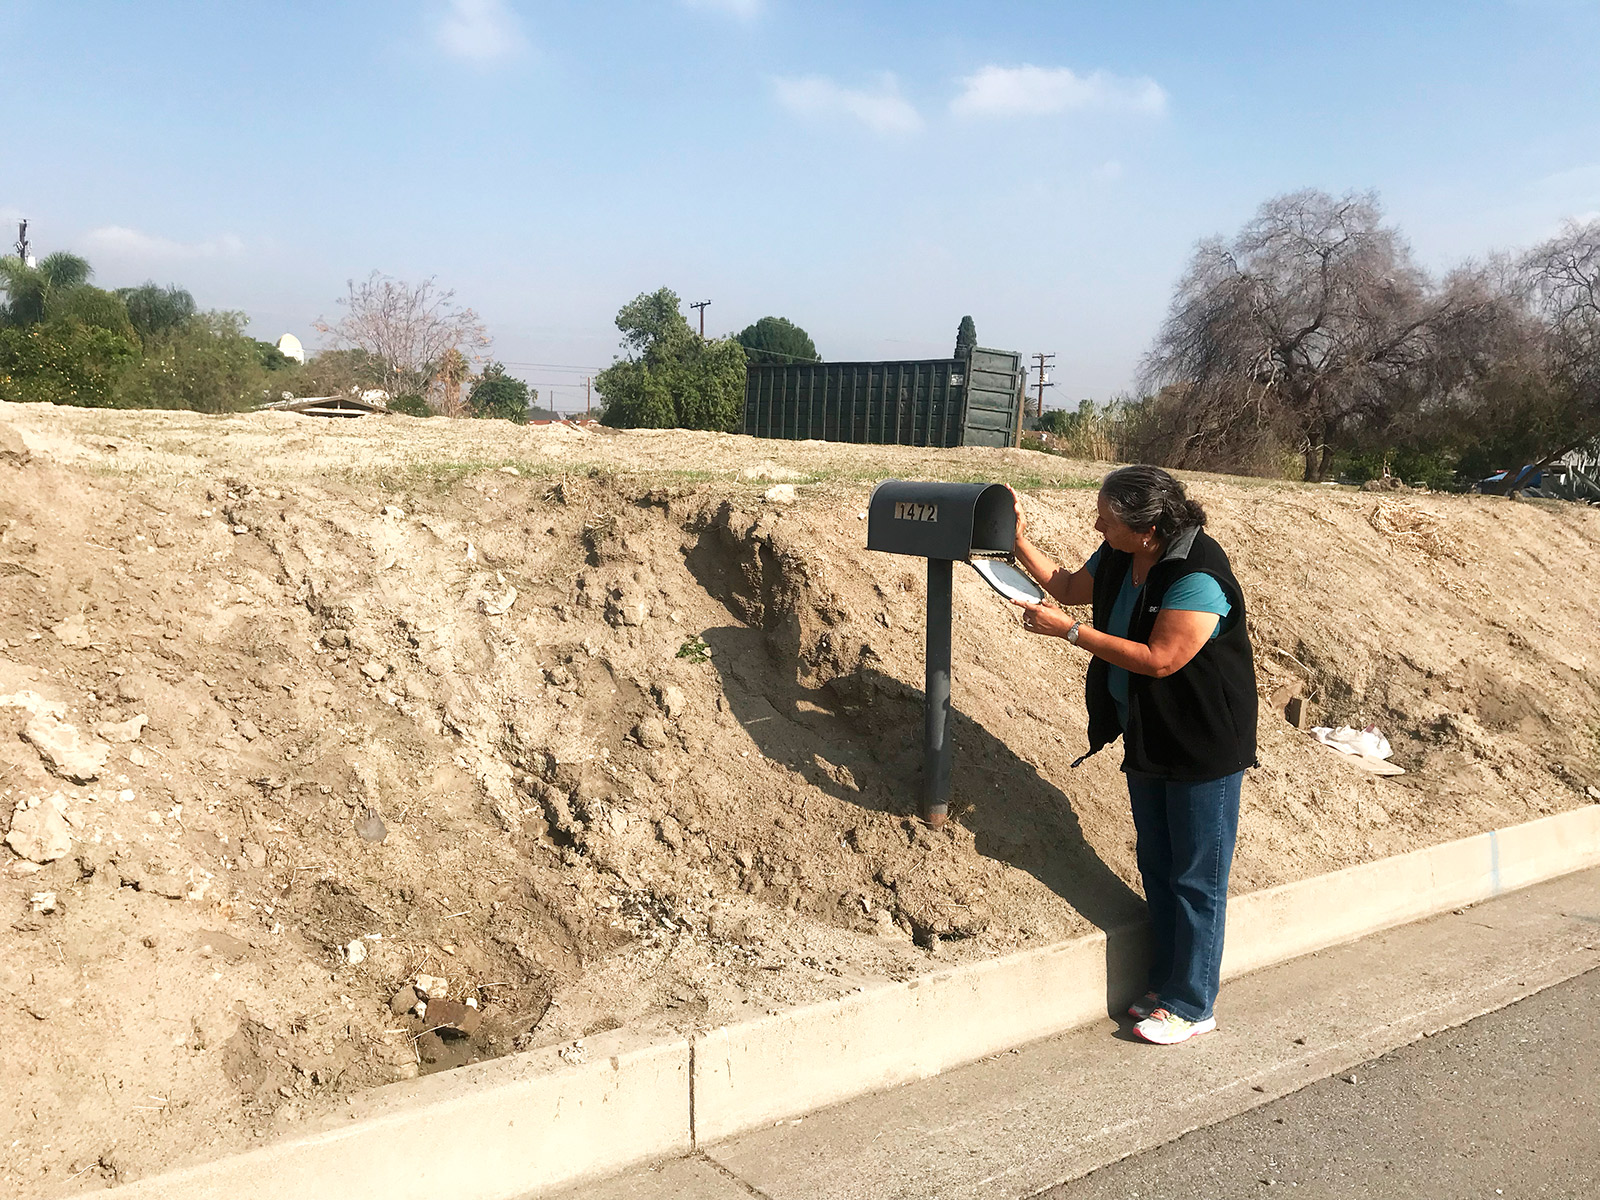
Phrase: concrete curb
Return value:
(530, 1124)
(493, 1131)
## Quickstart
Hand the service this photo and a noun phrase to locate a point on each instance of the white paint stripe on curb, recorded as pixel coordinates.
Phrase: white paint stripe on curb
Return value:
(492, 1131)
(529, 1124)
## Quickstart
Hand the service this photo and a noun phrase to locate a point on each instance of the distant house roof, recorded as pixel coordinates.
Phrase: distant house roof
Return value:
(331, 406)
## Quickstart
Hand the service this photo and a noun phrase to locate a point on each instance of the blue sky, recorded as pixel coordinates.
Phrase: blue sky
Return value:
(870, 170)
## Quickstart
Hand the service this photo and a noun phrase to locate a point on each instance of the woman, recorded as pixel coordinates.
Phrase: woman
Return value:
(1174, 675)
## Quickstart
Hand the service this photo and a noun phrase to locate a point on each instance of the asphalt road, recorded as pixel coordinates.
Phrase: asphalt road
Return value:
(1507, 1106)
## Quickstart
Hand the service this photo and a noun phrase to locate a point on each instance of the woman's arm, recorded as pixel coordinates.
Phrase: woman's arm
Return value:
(1176, 638)
(1068, 587)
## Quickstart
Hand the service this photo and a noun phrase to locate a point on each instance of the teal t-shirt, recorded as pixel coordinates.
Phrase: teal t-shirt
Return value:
(1197, 592)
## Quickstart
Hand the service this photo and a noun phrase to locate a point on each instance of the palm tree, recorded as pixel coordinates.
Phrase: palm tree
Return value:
(28, 290)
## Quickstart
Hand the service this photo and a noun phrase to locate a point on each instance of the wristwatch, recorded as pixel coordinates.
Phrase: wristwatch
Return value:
(1072, 634)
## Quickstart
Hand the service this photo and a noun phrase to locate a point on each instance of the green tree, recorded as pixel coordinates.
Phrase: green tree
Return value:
(30, 290)
(966, 337)
(777, 340)
(207, 364)
(63, 362)
(498, 395)
(155, 310)
(670, 377)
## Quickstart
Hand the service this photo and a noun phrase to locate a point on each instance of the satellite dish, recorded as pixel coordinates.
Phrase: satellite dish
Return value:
(289, 346)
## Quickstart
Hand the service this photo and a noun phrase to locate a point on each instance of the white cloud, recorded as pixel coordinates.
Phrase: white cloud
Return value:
(1029, 91)
(480, 31)
(119, 241)
(882, 109)
(744, 10)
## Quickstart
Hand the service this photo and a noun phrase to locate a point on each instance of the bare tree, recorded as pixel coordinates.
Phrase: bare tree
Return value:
(1313, 322)
(408, 329)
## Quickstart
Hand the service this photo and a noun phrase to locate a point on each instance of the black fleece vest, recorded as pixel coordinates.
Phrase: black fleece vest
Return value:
(1199, 722)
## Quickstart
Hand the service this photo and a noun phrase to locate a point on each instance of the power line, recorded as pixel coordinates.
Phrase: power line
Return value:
(701, 305)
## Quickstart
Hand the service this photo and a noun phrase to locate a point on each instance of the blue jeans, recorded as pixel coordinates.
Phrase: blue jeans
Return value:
(1186, 835)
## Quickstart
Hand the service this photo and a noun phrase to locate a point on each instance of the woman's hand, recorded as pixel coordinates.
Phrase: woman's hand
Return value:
(1016, 504)
(1038, 618)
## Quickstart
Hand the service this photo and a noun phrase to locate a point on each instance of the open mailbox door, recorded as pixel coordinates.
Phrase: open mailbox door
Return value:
(943, 523)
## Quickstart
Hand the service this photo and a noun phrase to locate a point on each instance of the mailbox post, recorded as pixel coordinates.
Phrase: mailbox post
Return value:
(942, 522)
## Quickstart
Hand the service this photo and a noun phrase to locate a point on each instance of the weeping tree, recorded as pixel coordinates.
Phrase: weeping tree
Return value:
(1540, 399)
(1310, 325)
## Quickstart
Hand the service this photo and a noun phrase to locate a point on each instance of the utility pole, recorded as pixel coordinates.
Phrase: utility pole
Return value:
(701, 305)
(586, 382)
(1042, 361)
(22, 241)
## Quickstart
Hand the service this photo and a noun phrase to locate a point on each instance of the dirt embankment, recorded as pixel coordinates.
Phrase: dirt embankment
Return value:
(582, 729)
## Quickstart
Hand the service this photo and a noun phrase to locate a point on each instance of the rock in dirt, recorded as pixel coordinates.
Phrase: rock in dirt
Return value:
(13, 450)
(403, 1001)
(370, 826)
(39, 829)
(254, 853)
(452, 1016)
(246, 728)
(354, 951)
(73, 633)
(672, 701)
(782, 493)
(1593, 793)
(651, 733)
(122, 731)
(64, 750)
(431, 987)
(374, 671)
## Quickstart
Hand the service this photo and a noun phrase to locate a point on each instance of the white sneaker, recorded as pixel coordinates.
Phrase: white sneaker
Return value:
(1144, 1006)
(1164, 1029)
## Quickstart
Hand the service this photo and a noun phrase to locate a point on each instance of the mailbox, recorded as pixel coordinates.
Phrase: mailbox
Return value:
(941, 522)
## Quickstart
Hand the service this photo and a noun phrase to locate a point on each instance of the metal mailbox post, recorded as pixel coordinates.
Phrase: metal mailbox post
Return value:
(941, 522)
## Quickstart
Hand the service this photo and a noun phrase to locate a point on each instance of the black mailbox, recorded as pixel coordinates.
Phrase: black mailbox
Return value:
(941, 522)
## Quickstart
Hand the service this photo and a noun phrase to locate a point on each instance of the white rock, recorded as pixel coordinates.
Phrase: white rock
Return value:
(64, 750)
(498, 606)
(123, 731)
(394, 511)
(374, 670)
(34, 703)
(136, 757)
(73, 632)
(43, 902)
(247, 729)
(672, 700)
(355, 952)
(432, 986)
(39, 829)
(782, 493)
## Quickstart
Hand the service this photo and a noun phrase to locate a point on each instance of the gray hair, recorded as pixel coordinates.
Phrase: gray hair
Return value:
(1146, 497)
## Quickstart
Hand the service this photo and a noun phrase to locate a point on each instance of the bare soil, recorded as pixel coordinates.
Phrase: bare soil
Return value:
(642, 746)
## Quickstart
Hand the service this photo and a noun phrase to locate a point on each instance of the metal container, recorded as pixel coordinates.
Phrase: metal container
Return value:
(971, 401)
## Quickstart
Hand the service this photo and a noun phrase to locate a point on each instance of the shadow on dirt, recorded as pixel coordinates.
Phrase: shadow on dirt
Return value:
(859, 738)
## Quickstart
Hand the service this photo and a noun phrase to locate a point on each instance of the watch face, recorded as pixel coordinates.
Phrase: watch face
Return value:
(1008, 580)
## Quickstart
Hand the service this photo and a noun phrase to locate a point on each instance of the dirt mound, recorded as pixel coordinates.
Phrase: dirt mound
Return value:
(543, 732)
